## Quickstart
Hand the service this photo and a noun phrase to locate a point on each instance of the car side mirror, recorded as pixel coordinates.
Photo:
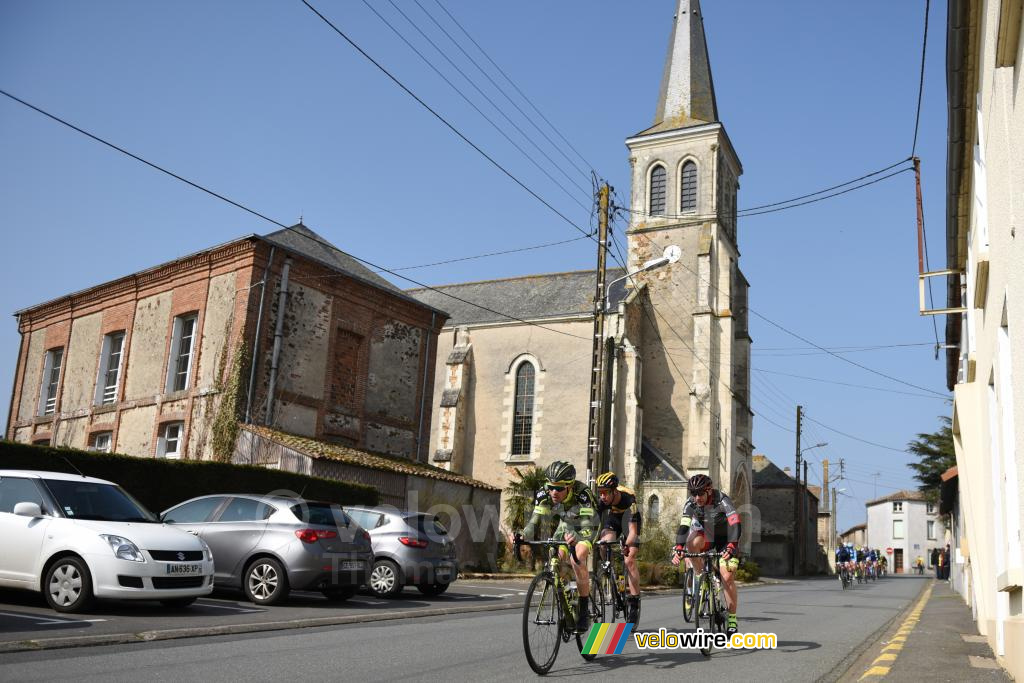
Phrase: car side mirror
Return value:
(26, 509)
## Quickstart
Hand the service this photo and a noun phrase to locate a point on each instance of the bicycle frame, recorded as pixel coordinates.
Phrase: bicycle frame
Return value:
(707, 588)
(608, 568)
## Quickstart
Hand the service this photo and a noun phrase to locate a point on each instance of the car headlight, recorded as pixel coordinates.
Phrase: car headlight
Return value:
(206, 549)
(123, 548)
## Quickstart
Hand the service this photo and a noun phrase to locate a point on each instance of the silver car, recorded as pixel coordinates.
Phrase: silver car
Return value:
(409, 548)
(269, 545)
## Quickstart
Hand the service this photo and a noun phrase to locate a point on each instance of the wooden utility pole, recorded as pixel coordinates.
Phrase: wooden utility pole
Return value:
(796, 495)
(595, 436)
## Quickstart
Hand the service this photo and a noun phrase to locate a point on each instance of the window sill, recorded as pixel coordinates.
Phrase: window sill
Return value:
(101, 408)
(518, 459)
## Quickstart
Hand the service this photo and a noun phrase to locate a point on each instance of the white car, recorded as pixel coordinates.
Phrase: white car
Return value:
(75, 538)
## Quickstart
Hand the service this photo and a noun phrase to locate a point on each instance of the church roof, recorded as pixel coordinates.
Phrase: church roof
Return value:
(687, 96)
(528, 297)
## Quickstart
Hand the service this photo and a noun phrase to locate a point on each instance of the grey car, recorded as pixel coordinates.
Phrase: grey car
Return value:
(410, 548)
(269, 545)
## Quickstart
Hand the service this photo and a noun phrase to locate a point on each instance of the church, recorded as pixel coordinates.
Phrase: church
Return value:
(514, 393)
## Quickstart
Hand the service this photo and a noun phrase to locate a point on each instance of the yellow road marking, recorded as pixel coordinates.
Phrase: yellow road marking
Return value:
(898, 640)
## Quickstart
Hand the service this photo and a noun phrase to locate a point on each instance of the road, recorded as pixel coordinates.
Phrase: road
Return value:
(819, 627)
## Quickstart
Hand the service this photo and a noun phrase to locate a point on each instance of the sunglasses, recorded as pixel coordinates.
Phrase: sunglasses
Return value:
(553, 487)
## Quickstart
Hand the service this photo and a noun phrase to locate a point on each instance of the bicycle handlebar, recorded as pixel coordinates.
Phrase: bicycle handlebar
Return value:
(550, 543)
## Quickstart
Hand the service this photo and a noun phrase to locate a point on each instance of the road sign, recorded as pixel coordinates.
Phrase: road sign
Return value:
(888, 551)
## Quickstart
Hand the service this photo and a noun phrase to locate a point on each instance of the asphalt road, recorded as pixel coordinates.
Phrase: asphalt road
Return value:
(819, 627)
(26, 616)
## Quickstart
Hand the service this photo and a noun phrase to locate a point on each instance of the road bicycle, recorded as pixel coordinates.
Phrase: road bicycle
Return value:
(613, 582)
(844, 577)
(549, 611)
(709, 612)
(689, 603)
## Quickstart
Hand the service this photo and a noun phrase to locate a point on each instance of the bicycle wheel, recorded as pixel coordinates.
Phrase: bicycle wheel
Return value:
(688, 595)
(597, 612)
(704, 609)
(611, 599)
(542, 623)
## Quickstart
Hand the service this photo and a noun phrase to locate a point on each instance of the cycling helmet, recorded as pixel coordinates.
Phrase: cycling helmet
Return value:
(698, 483)
(561, 472)
(608, 480)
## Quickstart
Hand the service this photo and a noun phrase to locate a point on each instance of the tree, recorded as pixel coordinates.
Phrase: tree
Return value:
(936, 455)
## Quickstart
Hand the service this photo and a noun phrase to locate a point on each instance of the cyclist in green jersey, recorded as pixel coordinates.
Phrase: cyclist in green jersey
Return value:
(574, 505)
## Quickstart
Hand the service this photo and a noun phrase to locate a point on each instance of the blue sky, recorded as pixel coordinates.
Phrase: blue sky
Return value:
(262, 102)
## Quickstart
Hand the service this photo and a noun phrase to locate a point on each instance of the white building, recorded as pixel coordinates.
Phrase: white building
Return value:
(985, 299)
(907, 524)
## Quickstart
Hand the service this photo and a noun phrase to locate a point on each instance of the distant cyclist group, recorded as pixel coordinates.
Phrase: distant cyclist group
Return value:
(859, 564)
(710, 527)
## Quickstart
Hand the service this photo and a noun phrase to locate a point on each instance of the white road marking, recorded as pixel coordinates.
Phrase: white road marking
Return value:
(493, 588)
(240, 610)
(46, 620)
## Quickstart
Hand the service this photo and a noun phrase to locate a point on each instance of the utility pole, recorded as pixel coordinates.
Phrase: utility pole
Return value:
(805, 505)
(796, 494)
(832, 534)
(595, 447)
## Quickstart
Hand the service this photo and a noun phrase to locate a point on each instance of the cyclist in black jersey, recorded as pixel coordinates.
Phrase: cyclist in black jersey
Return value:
(621, 520)
(710, 521)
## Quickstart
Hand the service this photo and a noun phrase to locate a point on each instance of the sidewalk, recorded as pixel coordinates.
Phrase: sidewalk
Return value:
(936, 641)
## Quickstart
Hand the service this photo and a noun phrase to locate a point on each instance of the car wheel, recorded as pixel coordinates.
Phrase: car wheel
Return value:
(178, 602)
(265, 582)
(433, 588)
(68, 585)
(339, 594)
(385, 581)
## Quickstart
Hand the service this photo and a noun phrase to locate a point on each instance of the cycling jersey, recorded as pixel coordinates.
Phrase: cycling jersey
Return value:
(842, 554)
(717, 521)
(618, 516)
(576, 514)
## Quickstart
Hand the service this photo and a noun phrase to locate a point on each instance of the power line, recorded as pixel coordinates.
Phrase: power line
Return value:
(821, 199)
(856, 438)
(797, 336)
(496, 85)
(470, 102)
(848, 384)
(513, 84)
(920, 87)
(443, 120)
(827, 189)
(842, 348)
(278, 223)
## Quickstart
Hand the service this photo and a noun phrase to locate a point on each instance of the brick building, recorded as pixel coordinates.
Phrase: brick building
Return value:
(159, 363)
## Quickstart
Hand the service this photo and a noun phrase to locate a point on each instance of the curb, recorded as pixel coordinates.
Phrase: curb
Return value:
(38, 644)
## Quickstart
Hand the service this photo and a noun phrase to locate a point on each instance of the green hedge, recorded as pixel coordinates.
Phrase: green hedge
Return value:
(159, 484)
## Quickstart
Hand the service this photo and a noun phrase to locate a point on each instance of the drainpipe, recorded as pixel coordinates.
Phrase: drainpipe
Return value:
(8, 431)
(278, 334)
(423, 391)
(256, 342)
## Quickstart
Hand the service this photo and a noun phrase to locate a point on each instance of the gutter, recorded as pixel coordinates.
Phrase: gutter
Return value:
(256, 339)
(957, 39)
(423, 390)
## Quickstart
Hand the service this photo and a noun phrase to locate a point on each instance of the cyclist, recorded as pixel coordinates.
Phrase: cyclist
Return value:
(709, 516)
(575, 507)
(842, 560)
(861, 576)
(618, 511)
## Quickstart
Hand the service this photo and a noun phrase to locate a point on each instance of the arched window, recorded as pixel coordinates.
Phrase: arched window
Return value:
(653, 509)
(657, 194)
(522, 424)
(688, 188)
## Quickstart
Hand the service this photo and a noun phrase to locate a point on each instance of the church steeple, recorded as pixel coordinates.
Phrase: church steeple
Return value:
(687, 95)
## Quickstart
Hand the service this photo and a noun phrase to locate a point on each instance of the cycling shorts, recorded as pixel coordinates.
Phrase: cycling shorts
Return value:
(732, 564)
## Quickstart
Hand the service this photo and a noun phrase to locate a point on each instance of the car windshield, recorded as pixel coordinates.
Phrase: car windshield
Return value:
(91, 500)
(321, 513)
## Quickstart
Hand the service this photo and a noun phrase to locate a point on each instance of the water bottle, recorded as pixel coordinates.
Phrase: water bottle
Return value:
(621, 580)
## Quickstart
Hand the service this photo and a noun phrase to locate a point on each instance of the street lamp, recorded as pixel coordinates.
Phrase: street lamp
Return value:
(595, 449)
(670, 255)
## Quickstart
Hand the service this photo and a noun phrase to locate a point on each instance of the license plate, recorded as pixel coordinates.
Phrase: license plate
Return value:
(351, 566)
(443, 574)
(186, 569)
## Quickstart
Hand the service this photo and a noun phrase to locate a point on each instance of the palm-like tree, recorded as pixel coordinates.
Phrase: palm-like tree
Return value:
(936, 455)
(520, 495)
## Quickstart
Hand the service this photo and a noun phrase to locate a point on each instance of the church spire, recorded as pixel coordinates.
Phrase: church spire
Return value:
(687, 95)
